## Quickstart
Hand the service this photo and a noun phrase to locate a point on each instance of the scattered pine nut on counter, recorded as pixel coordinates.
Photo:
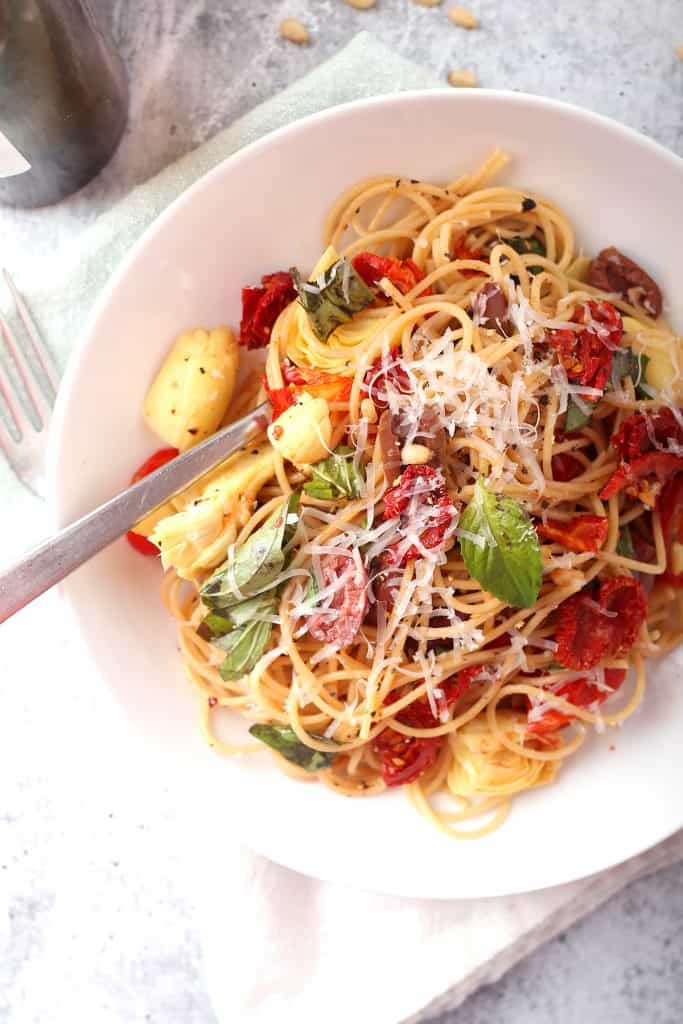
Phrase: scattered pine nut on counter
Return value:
(427, 3)
(361, 5)
(463, 79)
(463, 18)
(293, 31)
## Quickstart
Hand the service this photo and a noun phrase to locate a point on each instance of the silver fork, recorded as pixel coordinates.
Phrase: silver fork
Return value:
(26, 451)
(54, 559)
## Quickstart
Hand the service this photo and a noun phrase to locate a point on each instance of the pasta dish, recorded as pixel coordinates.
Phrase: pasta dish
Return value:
(461, 537)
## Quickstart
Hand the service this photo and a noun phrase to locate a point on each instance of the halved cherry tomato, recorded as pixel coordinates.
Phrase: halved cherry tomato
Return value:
(420, 490)
(593, 627)
(586, 354)
(670, 506)
(318, 384)
(405, 758)
(582, 533)
(280, 398)
(403, 274)
(154, 462)
(579, 692)
(566, 467)
(262, 306)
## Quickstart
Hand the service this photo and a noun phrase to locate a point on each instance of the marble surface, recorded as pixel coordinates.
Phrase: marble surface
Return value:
(103, 930)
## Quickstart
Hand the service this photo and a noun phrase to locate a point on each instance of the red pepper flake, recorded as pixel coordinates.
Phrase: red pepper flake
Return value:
(212, 702)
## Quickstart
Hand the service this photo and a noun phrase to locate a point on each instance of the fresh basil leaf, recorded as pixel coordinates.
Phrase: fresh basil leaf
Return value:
(335, 477)
(625, 543)
(243, 648)
(334, 298)
(624, 364)
(312, 590)
(506, 557)
(627, 363)
(213, 626)
(575, 417)
(643, 392)
(525, 245)
(286, 742)
(255, 565)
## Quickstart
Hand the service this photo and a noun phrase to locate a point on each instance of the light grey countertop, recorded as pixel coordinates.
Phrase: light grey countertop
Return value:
(195, 65)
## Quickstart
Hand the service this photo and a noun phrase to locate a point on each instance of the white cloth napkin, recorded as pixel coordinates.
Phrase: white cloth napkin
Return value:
(277, 946)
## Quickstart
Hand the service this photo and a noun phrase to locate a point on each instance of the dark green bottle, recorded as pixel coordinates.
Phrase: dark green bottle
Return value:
(63, 98)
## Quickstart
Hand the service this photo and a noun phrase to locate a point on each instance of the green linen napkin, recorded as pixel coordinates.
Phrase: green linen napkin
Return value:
(62, 299)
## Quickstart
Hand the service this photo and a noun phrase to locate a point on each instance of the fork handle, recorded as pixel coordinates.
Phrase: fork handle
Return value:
(60, 555)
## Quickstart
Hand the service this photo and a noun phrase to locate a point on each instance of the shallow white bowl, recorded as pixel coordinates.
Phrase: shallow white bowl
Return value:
(260, 211)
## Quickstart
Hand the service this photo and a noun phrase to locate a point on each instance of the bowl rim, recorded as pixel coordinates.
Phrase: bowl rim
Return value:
(87, 334)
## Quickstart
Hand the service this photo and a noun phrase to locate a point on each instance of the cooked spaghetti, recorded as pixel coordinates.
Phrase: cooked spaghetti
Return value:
(463, 532)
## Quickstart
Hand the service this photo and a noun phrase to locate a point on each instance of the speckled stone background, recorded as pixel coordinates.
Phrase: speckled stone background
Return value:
(104, 932)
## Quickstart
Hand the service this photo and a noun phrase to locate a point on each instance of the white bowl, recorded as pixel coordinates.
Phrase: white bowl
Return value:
(263, 210)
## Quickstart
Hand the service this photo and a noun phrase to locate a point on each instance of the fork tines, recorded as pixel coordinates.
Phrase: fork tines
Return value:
(26, 453)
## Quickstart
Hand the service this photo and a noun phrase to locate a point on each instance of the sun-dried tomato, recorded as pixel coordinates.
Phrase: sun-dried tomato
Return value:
(625, 601)
(582, 533)
(646, 432)
(670, 506)
(339, 621)
(642, 539)
(461, 252)
(405, 758)
(403, 274)
(586, 354)
(592, 627)
(262, 306)
(579, 692)
(419, 493)
(566, 467)
(644, 476)
(641, 444)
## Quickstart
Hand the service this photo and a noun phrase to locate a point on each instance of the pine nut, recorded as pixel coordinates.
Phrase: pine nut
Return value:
(463, 18)
(416, 454)
(292, 30)
(463, 79)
